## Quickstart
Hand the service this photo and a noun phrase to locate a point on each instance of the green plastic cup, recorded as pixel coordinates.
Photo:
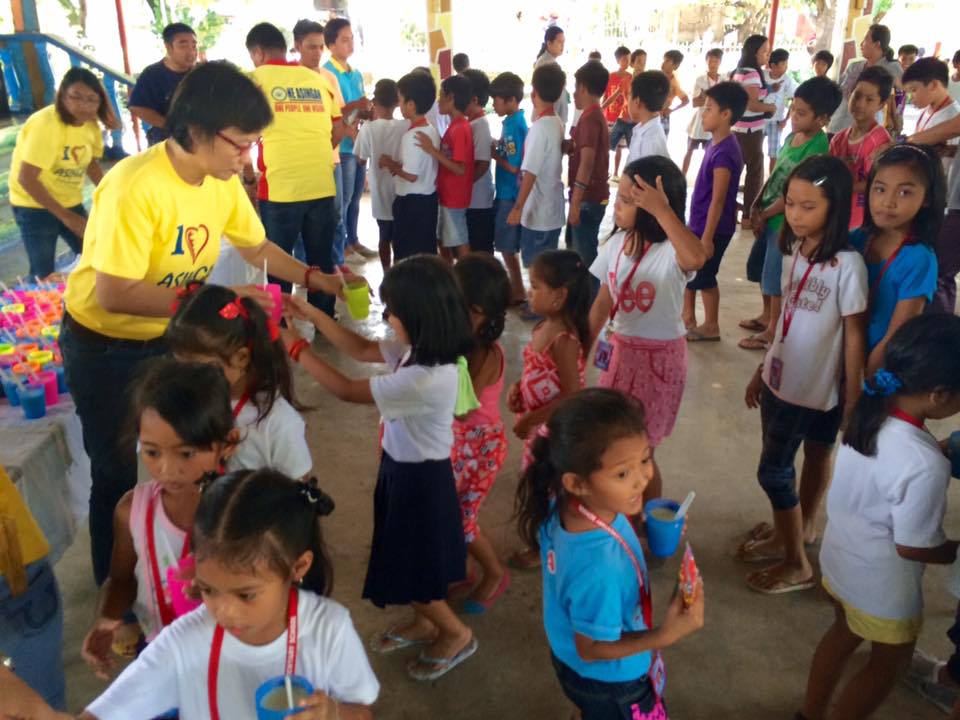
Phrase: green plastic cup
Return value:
(357, 295)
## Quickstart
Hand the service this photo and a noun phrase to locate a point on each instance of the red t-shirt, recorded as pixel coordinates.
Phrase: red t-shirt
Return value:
(591, 131)
(454, 191)
(612, 111)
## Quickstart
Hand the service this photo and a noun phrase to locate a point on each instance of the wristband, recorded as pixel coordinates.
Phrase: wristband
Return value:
(306, 275)
(297, 348)
(578, 184)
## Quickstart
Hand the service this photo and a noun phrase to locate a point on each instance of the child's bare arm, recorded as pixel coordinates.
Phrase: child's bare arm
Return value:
(526, 187)
(854, 350)
(944, 554)
(426, 144)
(721, 184)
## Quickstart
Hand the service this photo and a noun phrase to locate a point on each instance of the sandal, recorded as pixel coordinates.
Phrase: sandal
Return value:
(764, 531)
(390, 641)
(754, 342)
(753, 325)
(697, 336)
(478, 607)
(755, 581)
(438, 667)
(748, 552)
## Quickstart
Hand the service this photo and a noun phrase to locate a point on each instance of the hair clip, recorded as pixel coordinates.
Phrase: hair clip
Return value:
(233, 310)
(883, 384)
(207, 479)
(820, 181)
(184, 292)
(321, 503)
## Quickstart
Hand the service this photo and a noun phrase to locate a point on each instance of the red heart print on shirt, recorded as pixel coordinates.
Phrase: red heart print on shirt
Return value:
(194, 243)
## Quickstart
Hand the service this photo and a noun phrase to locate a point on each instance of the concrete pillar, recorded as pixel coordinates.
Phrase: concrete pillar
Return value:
(440, 37)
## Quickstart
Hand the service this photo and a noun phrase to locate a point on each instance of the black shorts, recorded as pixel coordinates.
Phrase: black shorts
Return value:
(480, 229)
(599, 700)
(386, 232)
(706, 277)
(694, 143)
(414, 225)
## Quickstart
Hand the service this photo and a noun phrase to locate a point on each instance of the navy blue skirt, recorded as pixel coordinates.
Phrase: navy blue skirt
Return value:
(418, 547)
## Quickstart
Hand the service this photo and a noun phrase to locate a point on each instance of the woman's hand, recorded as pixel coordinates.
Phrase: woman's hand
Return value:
(752, 397)
(647, 197)
(349, 277)
(297, 308)
(289, 335)
(681, 621)
(257, 294)
(96, 650)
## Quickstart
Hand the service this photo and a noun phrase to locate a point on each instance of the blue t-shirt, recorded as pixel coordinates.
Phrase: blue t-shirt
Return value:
(590, 587)
(153, 90)
(351, 87)
(512, 138)
(724, 154)
(912, 274)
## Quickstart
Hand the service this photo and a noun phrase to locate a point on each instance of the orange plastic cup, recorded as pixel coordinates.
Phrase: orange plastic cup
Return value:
(26, 368)
(27, 348)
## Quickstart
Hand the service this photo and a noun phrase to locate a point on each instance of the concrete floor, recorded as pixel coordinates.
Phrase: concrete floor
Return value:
(751, 659)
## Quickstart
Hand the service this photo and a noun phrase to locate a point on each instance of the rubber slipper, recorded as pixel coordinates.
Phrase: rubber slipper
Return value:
(478, 607)
(389, 641)
(695, 336)
(764, 531)
(754, 342)
(463, 585)
(748, 553)
(753, 325)
(440, 666)
(778, 587)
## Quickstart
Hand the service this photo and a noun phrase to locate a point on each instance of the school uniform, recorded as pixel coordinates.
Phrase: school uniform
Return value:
(415, 207)
(544, 213)
(647, 139)
(376, 138)
(276, 441)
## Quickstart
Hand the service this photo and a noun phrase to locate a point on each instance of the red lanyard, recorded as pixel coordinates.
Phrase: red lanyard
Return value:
(290, 665)
(422, 122)
(790, 309)
(626, 284)
(907, 418)
(946, 101)
(167, 615)
(548, 111)
(875, 285)
(241, 403)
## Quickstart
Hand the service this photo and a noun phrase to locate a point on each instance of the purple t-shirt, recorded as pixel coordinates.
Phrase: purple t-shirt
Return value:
(724, 154)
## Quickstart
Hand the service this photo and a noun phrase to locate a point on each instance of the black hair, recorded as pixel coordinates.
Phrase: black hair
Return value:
(200, 327)
(174, 29)
(908, 49)
(715, 52)
(649, 168)
(548, 37)
(253, 516)
(593, 76)
(778, 56)
(332, 29)
(564, 269)
(927, 164)
(956, 58)
(650, 87)
(422, 292)
(459, 88)
(832, 176)
(878, 77)
(824, 56)
(594, 55)
(266, 37)
(385, 93)
(674, 56)
(461, 62)
(637, 53)
(729, 95)
(548, 82)
(881, 34)
(926, 70)
(214, 96)
(923, 356)
(621, 51)
(507, 85)
(822, 94)
(748, 55)
(81, 75)
(479, 85)
(485, 285)
(581, 430)
(304, 28)
(419, 87)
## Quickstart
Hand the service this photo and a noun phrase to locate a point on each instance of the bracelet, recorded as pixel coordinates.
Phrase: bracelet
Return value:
(307, 273)
(580, 185)
(298, 347)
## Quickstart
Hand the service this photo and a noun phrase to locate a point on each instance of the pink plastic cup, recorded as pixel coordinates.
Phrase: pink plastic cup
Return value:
(274, 290)
(182, 603)
(48, 379)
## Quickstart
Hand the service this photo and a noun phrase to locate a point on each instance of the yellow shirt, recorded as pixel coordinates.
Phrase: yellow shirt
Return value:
(147, 223)
(296, 156)
(61, 151)
(27, 535)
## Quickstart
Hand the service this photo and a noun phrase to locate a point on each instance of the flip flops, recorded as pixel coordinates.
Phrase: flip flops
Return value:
(389, 641)
(753, 325)
(427, 669)
(478, 607)
(755, 581)
(749, 552)
(697, 336)
(754, 342)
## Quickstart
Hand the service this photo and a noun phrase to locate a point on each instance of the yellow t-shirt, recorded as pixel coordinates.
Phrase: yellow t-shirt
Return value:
(296, 157)
(147, 223)
(61, 151)
(13, 510)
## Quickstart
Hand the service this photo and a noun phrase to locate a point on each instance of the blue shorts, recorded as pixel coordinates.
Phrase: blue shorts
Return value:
(534, 242)
(452, 227)
(771, 278)
(506, 238)
(772, 131)
(621, 130)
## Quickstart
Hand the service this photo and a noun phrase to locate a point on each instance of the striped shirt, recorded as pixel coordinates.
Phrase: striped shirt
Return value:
(748, 78)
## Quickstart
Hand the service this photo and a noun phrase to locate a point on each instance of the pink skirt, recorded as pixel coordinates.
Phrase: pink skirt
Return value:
(653, 372)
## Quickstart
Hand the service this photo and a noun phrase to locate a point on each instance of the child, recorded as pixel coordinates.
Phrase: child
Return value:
(783, 87)
(213, 324)
(613, 95)
(480, 214)
(697, 137)
(382, 136)
(907, 56)
(181, 414)
(418, 546)
(955, 77)
(885, 516)
(454, 155)
(822, 62)
(906, 191)
(814, 103)
(859, 143)
(539, 209)
(638, 61)
(574, 502)
(670, 65)
(480, 441)
(927, 81)
(263, 574)
(713, 208)
(648, 93)
(589, 162)
(507, 92)
(415, 173)
(800, 401)
(642, 280)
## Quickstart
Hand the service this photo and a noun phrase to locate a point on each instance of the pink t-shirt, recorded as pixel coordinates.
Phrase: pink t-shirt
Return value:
(859, 156)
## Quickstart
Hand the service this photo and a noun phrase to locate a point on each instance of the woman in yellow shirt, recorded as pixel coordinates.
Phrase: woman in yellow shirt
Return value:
(56, 148)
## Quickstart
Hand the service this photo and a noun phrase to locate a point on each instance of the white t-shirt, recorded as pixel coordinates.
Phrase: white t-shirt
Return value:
(930, 119)
(416, 162)
(954, 88)
(648, 139)
(542, 156)
(417, 403)
(277, 442)
(376, 138)
(482, 196)
(172, 671)
(652, 306)
(810, 360)
(788, 86)
(898, 497)
(695, 129)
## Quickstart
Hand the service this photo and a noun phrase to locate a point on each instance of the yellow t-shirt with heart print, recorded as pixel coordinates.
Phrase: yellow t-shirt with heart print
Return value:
(147, 223)
(61, 151)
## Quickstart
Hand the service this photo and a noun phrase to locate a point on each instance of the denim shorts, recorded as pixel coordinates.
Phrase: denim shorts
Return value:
(771, 278)
(534, 242)
(452, 227)
(621, 130)
(506, 238)
(772, 130)
(599, 700)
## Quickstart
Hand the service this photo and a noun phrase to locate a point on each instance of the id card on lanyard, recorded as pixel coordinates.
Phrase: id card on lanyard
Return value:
(604, 352)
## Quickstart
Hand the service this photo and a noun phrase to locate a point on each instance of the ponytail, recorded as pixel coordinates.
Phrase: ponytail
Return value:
(540, 485)
(486, 288)
(565, 269)
(548, 37)
(867, 417)
(543, 49)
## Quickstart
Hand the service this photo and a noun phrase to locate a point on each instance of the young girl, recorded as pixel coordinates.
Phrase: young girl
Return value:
(811, 375)
(906, 195)
(642, 280)
(885, 513)
(213, 324)
(574, 502)
(418, 548)
(185, 430)
(480, 441)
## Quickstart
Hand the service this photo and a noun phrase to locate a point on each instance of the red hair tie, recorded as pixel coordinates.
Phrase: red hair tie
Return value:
(184, 292)
(273, 329)
(233, 310)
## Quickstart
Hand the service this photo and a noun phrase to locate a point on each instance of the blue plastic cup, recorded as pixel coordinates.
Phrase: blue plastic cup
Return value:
(271, 697)
(61, 379)
(663, 531)
(33, 400)
(11, 390)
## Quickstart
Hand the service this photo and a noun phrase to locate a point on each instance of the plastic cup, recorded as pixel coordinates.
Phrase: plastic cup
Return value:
(274, 290)
(25, 369)
(61, 378)
(663, 530)
(13, 309)
(358, 300)
(12, 391)
(33, 401)
(182, 603)
(271, 697)
(51, 331)
(48, 379)
(26, 348)
(41, 357)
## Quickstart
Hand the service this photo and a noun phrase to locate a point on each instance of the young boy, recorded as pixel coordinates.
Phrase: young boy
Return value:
(697, 136)
(814, 103)
(858, 144)
(507, 92)
(614, 96)
(927, 81)
(415, 173)
(638, 61)
(822, 62)
(455, 175)
(480, 214)
(589, 162)
(539, 209)
(648, 93)
(622, 130)
(713, 208)
(382, 136)
(907, 55)
(671, 62)
(783, 88)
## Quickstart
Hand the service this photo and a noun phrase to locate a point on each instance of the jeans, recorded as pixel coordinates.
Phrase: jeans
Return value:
(339, 235)
(534, 242)
(771, 278)
(586, 234)
(756, 259)
(751, 147)
(621, 130)
(599, 700)
(353, 174)
(313, 220)
(40, 229)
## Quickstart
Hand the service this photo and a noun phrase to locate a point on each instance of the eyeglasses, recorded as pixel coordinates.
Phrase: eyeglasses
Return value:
(243, 148)
(83, 99)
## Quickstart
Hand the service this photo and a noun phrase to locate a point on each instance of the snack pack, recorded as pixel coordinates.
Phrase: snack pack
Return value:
(689, 574)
